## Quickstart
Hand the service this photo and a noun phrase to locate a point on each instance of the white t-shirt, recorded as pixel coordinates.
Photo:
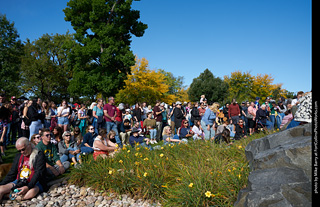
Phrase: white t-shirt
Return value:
(64, 111)
(99, 138)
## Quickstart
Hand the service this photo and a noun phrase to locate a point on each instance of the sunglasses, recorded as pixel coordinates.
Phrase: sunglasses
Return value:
(37, 137)
(91, 128)
(186, 123)
(22, 150)
(68, 135)
(48, 135)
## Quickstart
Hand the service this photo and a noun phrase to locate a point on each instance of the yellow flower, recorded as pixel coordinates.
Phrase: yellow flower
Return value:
(190, 185)
(164, 186)
(120, 161)
(229, 170)
(161, 147)
(136, 163)
(137, 148)
(239, 147)
(117, 145)
(146, 159)
(161, 155)
(233, 168)
(145, 174)
(208, 194)
(128, 151)
(136, 154)
(110, 172)
(239, 176)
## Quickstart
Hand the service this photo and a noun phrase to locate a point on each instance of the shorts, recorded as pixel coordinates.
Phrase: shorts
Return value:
(37, 184)
(96, 154)
(63, 120)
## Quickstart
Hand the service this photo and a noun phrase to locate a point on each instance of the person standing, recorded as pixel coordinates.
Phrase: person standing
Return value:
(16, 122)
(63, 114)
(234, 112)
(157, 113)
(36, 117)
(178, 115)
(110, 114)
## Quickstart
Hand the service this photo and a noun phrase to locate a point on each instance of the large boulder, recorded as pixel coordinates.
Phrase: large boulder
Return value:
(280, 170)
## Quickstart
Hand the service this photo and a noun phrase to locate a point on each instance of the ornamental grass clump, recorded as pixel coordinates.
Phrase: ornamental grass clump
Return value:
(199, 173)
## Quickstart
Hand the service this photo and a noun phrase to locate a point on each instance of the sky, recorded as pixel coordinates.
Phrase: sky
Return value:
(185, 37)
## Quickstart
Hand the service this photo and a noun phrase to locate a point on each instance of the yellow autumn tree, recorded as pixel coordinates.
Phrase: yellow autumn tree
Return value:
(144, 85)
(244, 86)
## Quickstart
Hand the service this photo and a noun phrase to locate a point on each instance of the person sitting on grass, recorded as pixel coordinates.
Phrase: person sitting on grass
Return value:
(125, 130)
(197, 130)
(135, 139)
(35, 139)
(54, 166)
(27, 173)
(87, 143)
(185, 132)
(168, 137)
(102, 145)
(150, 124)
(240, 130)
(68, 150)
(223, 133)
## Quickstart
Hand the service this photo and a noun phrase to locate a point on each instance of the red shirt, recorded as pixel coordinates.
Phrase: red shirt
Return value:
(234, 110)
(119, 115)
(111, 109)
(24, 169)
(159, 116)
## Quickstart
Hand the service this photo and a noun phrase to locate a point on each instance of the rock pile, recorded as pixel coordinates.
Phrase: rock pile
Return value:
(66, 195)
(280, 170)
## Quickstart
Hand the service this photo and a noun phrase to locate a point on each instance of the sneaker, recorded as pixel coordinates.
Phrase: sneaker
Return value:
(155, 141)
(151, 142)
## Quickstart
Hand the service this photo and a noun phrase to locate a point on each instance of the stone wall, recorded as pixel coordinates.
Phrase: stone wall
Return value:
(280, 170)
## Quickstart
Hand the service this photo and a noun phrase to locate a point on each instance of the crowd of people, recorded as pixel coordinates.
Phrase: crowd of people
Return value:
(52, 137)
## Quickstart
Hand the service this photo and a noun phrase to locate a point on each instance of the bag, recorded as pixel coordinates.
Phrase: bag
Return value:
(100, 119)
(90, 120)
(27, 121)
(249, 116)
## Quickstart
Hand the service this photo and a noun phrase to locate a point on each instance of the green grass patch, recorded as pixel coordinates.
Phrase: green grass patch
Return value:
(199, 173)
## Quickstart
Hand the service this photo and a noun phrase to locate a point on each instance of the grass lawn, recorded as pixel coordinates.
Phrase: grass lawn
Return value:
(10, 154)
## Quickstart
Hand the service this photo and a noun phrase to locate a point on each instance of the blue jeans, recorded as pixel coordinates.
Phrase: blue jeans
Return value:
(208, 134)
(113, 126)
(65, 157)
(37, 184)
(34, 128)
(153, 133)
(273, 119)
(86, 150)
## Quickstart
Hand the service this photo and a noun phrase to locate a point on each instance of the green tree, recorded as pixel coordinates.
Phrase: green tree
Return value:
(44, 69)
(214, 88)
(10, 55)
(240, 85)
(102, 58)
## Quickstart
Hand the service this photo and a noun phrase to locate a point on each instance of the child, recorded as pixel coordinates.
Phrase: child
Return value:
(198, 133)
(135, 138)
(287, 118)
(137, 127)
(127, 115)
(241, 131)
